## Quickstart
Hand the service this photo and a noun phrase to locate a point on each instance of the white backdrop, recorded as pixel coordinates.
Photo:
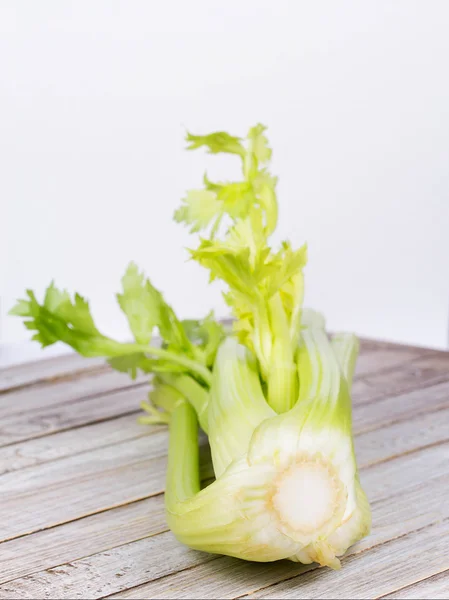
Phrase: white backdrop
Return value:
(95, 97)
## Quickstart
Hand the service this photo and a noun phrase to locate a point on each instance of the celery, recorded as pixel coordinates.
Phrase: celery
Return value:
(273, 396)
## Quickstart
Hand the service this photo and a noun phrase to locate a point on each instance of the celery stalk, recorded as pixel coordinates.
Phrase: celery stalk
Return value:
(273, 396)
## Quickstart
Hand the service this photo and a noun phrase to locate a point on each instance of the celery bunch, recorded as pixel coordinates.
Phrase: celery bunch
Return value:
(273, 396)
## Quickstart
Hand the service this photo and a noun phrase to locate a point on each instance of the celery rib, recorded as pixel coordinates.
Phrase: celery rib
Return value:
(183, 480)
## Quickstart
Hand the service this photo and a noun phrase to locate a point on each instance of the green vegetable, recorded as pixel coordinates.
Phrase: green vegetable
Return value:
(287, 485)
(265, 286)
(273, 396)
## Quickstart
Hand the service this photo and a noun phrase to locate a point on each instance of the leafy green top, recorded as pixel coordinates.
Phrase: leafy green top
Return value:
(187, 347)
(265, 286)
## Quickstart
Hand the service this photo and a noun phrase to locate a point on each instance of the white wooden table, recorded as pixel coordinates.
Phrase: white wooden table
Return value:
(81, 490)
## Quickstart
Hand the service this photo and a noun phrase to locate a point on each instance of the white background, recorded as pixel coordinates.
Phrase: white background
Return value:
(95, 97)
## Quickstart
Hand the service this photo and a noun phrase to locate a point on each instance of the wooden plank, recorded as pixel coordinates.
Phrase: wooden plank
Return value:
(370, 416)
(97, 470)
(40, 421)
(380, 477)
(107, 572)
(399, 506)
(71, 366)
(34, 412)
(226, 577)
(378, 355)
(383, 570)
(379, 359)
(49, 420)
(418, 373)
(420, 470)
(52, 393)
(47, 370)
(367, 418)
(368, 344)
(65, 406)
(67, 366)
(436, 587)
(86, 483)
(400, 438)
(426, 501)
(77, 539)
(81, 466)
(64, 391)
(68, 443)
(81, 485)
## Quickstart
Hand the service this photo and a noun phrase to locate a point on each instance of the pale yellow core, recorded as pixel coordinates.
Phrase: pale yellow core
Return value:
(307, 496)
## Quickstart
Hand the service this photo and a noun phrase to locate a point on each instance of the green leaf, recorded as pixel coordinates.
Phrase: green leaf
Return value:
(131, 363)
(219, 141)
(258, 277)
(140, 302)
(227, 263)
(207, 334)
(205, 208)
(286, 264)
(21, 309)
(249, 234)
(259, 143)
(146, 309)
(61, 319)
(264, 186)
(236, 198)
(200, 208)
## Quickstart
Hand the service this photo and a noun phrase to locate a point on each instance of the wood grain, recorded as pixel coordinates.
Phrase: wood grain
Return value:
(436, 587)
(229, 578)
(47, 370)
(82, 485)
(51, 407)
(427, 498)
(83, 537)
(402, 437)
(386, 411)
(377, 359)
(107, 572)
(81, 489)
(49, 420)
(421, 372)
(380, 571)
(44, 449)
(86, 473)
(49, 395)
(71, 365)
(96, 575)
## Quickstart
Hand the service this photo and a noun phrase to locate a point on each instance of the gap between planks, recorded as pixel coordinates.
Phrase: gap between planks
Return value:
(41, 421)
(435, 587)
(54, 414)
(67, 366)
(93, 408)
(49, 369)
(378, 480)
(229, 578)
(105, 432)
(391, 564)
(377, 403)
(130, 563)
(46, 372)
(83, 471)
(128, 458)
